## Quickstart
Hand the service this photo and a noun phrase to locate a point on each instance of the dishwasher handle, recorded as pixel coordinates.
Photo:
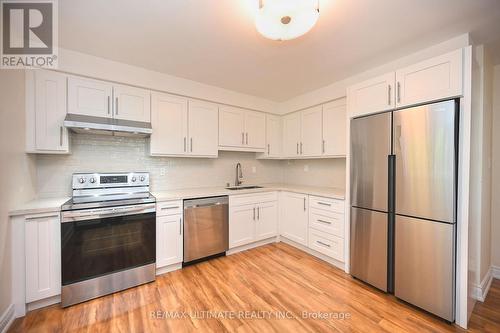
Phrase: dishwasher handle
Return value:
(205, 202)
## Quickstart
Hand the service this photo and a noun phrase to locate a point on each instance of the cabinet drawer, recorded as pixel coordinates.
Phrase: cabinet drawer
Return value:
(332, 223)
(328, 204)
(327, 244)
(246, 199)
(169, 208)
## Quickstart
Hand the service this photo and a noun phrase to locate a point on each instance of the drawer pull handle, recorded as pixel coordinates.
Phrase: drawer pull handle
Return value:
(324, 204)
(323, 221)
(324, 244)
(176, 207)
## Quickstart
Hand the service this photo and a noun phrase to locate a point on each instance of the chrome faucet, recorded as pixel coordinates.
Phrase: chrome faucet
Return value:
(239, 175)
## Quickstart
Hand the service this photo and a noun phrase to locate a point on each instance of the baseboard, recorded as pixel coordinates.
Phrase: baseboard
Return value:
(252, 245)
(316, 254)
(168, 269)
(495, 272)
(7, 318)
(43, 303)
(480, 291)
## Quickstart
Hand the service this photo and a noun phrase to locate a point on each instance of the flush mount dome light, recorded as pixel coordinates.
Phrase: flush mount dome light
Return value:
(286, 19)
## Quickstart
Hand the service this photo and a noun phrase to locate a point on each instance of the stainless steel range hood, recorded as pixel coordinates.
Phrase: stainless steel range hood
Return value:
(106, 126)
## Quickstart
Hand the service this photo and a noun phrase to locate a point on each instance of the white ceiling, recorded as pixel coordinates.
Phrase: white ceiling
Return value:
(215, 42)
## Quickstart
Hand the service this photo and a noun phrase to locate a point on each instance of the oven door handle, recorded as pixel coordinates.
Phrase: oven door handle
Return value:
(71, 217)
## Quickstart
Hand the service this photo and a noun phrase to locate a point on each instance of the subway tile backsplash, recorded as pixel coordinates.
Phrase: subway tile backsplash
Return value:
(99, 153)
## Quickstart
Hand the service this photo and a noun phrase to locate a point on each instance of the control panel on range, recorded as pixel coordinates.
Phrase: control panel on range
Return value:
(95, 180)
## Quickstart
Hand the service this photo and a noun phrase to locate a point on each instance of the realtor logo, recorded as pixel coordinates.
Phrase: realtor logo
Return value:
(29, 34)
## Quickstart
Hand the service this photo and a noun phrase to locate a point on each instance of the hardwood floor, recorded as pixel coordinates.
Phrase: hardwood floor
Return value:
(251, 289)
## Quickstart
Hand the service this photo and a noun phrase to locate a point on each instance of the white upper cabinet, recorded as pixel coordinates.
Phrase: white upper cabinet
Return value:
(231, 126)
(89, 97)
(169, 121)
(241, 129)
(274, 136)
(311, 133)
(334, 128)
(45, 112)
(255, 129)
(437, 78)
(203, 122)
(291, 135)
(131, 103)
(374, 95)
(183, 127)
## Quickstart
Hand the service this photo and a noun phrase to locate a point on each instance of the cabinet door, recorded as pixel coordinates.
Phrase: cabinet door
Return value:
(334, 129)
(294, 217)
(430, 80)
(43, 257)
(169, 240)
(274, 136)
(169, 123)
(374, 95)
(89, 97)
(131, 103)
(291, 135)
(267, 220)
(312, 138)
(255, 129)
(203, 129)
(231, 127)
(242, 221)
(50, 111)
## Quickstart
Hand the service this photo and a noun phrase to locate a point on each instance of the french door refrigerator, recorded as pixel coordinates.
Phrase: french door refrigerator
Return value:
(403, 204)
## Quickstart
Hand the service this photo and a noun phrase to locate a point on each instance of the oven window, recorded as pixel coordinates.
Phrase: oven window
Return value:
(97, 247)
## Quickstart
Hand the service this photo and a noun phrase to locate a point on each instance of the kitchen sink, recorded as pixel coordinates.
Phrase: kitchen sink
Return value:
(232, 188)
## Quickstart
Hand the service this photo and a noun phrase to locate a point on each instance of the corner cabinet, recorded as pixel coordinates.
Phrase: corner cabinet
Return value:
(334, 128)
(43, 256)
(274, 138)
(45, 112)
(241, 130)
(431, 80)
(294, 217)
(183, 127)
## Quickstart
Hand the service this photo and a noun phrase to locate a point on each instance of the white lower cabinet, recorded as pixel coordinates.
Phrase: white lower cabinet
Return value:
(327, 244)
(169, 233)
(252, 218)
(43, 256)
(294, 217)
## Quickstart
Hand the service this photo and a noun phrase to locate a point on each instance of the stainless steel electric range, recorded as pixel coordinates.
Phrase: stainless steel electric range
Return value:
(108, 235)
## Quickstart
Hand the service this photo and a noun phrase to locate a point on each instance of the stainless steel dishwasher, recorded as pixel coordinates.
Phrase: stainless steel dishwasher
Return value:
(206, 226)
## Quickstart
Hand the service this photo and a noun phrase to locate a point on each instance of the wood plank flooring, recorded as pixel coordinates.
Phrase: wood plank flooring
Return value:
(266, 289)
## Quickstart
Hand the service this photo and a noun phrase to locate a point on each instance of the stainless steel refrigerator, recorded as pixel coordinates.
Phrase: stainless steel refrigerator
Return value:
(403, 204)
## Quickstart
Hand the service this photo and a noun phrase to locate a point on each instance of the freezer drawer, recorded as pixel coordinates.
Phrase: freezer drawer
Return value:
(369, 232)
(425, 265)
(424, 145)
(370, 148)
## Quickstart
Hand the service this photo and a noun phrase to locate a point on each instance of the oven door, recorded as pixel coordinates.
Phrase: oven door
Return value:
(97, 242)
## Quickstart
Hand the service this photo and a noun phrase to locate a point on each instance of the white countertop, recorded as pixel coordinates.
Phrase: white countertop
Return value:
(49, 205)
(178, 194)
(37, 206)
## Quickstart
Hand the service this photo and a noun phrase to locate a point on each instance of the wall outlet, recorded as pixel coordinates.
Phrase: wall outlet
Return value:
(254, 169)
(163, 171)
(306, 168)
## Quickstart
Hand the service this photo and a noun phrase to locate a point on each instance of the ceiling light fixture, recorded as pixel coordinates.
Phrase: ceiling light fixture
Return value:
(286, 19)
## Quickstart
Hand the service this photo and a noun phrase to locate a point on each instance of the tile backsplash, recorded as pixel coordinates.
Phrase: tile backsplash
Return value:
(98, 153)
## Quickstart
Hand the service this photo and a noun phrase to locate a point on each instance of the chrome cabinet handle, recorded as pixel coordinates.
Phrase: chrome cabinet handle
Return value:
(297, 148)
(185, 144)
(191, 144)
(324, 244)
(258, 213)
(254, 213)
(399, 92)
(301, 148)
(109, 103)
(180, 226)
(242, 138)
(323, 146)
(268, 149)
(389, 94)
(116, 105)
(247, 137)
(60, 136)
(304, 204)
(323, 221)
(324, 204)
(173, 207)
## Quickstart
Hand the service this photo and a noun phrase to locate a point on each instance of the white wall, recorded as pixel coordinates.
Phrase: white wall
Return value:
(319, 172)
(495, 199)
(16, 168)
(97, 153)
